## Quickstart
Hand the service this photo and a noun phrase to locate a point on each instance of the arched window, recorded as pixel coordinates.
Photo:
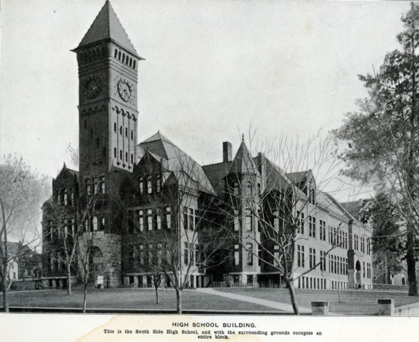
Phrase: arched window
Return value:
(149, 185)
(116, 53)
(119, 55)
(126, 132)
(133, 65)
(236, 189)
(95, 223)
(65, 197)
(141, 185)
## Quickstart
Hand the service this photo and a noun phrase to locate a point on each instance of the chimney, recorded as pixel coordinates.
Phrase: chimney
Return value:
(227, 152)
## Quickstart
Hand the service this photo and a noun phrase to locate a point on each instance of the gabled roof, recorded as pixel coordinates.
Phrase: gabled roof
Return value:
(107, 27)
(66, 170)
(243, 162)
(216, 174)
(276, 179)
(175, 160)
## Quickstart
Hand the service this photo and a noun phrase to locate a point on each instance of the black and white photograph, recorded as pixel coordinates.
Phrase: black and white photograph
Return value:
(188, 170)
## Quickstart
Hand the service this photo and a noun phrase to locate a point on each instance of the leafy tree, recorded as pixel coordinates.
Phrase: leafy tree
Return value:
(382, 137)
(388, 240)
(21, 192)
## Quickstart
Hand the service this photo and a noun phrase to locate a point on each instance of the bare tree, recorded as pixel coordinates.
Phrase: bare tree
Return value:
(21, 191)
(172, 228)
(271, 210)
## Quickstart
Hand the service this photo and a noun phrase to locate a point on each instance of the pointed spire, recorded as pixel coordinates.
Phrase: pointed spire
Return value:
(107, 27)
(243, 162)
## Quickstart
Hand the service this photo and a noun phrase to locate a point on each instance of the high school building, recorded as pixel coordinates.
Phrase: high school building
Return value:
(150, 202)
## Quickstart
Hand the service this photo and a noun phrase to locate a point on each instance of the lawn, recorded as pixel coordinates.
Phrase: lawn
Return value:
(141, 299)
(347, 302)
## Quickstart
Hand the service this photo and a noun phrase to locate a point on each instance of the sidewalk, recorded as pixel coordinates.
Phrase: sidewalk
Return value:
(268, 303)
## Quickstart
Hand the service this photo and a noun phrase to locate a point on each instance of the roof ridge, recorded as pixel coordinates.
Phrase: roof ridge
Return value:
(107, 26)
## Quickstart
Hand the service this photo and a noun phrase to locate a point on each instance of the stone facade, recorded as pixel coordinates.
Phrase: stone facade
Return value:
(150, 201)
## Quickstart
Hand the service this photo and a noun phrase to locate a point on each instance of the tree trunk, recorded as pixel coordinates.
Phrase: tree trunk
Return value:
(157, 293)
(291, 290)
(411, 263)
(68, 280)
(85, 298)
(178, 300)
(5, 292)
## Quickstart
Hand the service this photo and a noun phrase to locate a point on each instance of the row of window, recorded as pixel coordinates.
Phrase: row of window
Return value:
(312, 229)
(92, 54)
(149, 219)
(152, 255)
(249, 254)
(121, 131)
(149, 184)
(190, 218)
(121, 156)
(311, 283)
(338, 238)
(64, 196)
(337, 264)
(124, 58)
(56, 262)
(248, 221)
(95, 185)
(365, 244)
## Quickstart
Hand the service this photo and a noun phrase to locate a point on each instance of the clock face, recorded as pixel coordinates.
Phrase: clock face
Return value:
(124, 90)
(93, 87)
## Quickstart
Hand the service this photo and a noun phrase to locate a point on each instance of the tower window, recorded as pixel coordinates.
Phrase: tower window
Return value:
(114, 152)
(120, 154)
(116, 53)
(149, 185)
(132, 158)
(126, 132)
(132, 134)
(126, 156)
(133, 65)
(120, 130)
(119, 55)
(114, 127)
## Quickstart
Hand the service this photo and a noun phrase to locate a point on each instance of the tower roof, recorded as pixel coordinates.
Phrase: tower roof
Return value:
(243, 162)
(107, 27)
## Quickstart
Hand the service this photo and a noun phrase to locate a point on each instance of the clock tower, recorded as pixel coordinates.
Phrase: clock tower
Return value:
(108, 114)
